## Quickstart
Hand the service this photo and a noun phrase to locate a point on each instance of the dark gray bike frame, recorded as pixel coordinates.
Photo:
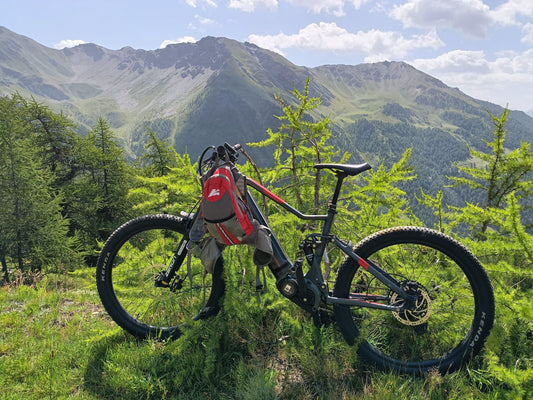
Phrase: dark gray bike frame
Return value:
(314, 279)
(314, 276)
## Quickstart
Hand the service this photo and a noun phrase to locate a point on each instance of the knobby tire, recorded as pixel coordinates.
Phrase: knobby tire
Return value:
(455, 312)
(131, 259)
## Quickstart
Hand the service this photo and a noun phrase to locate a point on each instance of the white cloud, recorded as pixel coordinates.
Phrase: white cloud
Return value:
(335, 7)
(196, 3)
(377, 45)
(456, 61)
(250, 5)
(474, 62)
(68, 43)
(527, 30)
(201, 23)
(503, 80)
(185, 39)
(472, 17)
(508, 13)
(204, 21)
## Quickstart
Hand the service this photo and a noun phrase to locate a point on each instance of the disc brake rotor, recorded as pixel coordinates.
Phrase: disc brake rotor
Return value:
(421, 311)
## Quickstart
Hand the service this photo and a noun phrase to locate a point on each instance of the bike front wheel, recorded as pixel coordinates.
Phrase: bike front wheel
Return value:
(454, 311)
(127, 270)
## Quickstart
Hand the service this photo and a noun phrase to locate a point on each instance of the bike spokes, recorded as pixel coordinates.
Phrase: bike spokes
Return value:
(449, 300)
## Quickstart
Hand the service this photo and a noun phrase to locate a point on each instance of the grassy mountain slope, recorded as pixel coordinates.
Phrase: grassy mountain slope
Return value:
(223, 90)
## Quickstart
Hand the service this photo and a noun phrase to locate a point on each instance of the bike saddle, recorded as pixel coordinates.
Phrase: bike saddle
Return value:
(347, 169)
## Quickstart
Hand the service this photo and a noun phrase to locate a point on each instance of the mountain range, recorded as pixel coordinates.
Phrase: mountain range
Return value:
(217, 89)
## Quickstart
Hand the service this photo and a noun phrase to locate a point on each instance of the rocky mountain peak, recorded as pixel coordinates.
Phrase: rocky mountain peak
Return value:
(187, 91)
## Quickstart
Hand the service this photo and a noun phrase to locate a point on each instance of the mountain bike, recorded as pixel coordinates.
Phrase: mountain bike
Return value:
(419, 299)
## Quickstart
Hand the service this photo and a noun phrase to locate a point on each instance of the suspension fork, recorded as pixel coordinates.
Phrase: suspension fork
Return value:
(164, 278)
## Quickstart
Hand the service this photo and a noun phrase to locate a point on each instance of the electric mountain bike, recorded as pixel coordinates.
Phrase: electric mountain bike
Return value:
(419, 299)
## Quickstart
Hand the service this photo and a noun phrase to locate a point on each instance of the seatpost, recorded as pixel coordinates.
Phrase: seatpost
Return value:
(332, 208)
(315, 273)
(336, 194)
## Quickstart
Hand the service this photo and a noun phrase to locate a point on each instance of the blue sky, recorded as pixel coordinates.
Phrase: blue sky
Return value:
(483, 47)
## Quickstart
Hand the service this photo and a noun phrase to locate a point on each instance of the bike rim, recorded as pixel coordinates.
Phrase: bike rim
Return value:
(443, 316)
(135, 267)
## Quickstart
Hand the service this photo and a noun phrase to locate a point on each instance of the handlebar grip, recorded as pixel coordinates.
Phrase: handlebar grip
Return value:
(229, 151)
(232, 149)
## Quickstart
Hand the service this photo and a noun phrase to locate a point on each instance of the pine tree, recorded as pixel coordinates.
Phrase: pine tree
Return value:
(178, 190)
(158, 157)
(97, 198)
(380, 202)
(499, 173)
(54, 137)
(299, 143)
(32, 230)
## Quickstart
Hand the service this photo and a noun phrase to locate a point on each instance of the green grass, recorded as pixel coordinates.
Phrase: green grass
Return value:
(57, 342)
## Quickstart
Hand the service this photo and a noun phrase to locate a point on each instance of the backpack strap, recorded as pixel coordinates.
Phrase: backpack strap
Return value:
(226, 235)
(260, 286)
(244, 185)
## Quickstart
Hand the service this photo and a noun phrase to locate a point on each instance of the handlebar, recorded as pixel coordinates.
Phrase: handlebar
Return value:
(228, 150)
(225, 152)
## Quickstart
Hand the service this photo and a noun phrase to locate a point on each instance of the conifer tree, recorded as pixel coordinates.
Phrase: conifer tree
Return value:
(299, 143)
(98, 196)
(380, 202)
(499, 173)
(158, 157)
(176, 191)
(55, 139)
(32, 230)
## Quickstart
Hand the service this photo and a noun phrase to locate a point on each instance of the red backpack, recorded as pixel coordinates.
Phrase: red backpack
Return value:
(223, 209)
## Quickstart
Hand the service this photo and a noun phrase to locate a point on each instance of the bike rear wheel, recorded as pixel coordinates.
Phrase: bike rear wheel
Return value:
(454, 311)
(128, 266)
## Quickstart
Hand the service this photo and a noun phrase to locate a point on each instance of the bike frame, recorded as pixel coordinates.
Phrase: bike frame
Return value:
(314, 278)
